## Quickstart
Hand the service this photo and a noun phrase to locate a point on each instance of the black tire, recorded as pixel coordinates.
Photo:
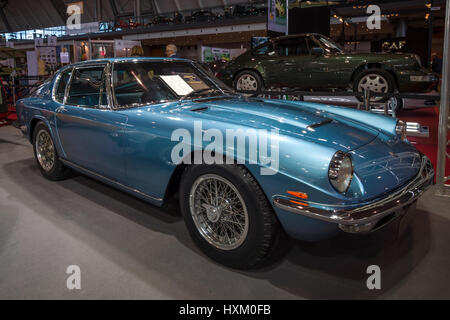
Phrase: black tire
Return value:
(265, 238)
(384, 74)
(57, 171)
(258, 83)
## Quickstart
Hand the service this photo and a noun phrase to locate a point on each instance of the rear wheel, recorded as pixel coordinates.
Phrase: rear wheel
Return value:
(374, 80)
(228, 215)
(46, 154)
(248, 80)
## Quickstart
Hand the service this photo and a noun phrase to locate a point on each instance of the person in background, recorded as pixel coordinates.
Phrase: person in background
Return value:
(436, 63)
(171, 51)
(137, 51)
(436, 66)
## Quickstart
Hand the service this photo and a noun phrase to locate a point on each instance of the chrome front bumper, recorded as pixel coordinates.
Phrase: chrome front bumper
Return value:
(367, 217)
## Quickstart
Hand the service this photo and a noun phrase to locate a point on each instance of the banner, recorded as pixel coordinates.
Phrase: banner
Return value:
(90, 27)
(215, 54)
(277, 16)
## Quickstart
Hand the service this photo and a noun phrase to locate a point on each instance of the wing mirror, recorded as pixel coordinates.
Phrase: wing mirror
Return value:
(317, 51)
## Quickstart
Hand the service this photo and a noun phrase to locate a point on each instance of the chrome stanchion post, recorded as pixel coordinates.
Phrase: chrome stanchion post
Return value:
(442, 156)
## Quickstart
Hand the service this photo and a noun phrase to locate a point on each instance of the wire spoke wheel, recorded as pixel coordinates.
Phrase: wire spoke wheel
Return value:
(219, 212)
(45, 151)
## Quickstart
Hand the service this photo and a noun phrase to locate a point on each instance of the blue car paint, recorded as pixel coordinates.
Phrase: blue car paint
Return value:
(94, 139)
(133, 147)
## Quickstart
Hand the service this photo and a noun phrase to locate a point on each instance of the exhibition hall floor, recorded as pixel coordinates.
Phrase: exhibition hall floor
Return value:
(128, 249)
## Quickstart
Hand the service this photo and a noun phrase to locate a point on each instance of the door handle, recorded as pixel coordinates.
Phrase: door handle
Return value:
(61, 109)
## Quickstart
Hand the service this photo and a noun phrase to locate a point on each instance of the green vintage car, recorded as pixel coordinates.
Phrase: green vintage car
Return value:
(313, 61)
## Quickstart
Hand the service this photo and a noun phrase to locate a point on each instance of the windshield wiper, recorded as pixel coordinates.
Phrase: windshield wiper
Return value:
(196, 92)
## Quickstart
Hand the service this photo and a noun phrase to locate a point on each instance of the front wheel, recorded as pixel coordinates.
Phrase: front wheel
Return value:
(228, 215)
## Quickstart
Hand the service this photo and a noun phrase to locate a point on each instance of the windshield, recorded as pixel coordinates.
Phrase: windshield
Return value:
(149, 82)
(328, 45)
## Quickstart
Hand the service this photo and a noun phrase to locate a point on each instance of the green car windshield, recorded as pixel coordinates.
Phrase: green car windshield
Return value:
(329, 46)
(137, 83)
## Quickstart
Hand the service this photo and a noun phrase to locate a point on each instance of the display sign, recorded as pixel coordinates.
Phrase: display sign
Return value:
(51, 41)
(32, 65)
(393, 45)
(277, 16)
(220, 54)
(215, 54)
(207, 55)
(64, 56)
(177, 84)
(38, 42)
(48, 55)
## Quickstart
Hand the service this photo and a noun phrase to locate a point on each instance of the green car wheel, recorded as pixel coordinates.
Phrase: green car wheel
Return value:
(248, 80)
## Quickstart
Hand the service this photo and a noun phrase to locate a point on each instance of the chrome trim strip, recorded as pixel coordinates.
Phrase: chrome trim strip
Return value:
(105, 78)
(56, 83)
(369, 213)
(110, 181)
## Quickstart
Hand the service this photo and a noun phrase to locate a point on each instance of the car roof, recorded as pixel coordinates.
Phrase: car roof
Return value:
(298, 35)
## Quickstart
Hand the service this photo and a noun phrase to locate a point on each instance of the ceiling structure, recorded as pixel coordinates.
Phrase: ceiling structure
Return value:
(19, 15)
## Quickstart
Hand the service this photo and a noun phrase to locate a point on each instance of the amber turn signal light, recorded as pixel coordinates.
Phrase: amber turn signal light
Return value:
(300, 195)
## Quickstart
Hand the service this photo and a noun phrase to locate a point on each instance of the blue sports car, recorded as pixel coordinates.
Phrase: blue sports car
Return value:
(247, 171)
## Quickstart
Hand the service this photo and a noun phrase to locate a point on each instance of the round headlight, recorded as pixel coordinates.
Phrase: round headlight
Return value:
(400, 129)
(340, 171)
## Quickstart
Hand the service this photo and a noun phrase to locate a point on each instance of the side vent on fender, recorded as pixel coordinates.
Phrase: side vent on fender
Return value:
(319, 124)
(201, 109)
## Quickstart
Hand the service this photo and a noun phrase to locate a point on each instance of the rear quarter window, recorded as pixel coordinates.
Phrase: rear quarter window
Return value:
(266, 49)
(40, 91)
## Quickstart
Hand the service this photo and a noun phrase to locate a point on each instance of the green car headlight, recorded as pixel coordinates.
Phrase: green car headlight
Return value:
(340, 172)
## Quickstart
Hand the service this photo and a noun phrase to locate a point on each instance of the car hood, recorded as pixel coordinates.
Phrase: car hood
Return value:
(298, 121)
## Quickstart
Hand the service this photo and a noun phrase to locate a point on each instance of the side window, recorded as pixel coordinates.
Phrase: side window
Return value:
(292, 47)
(61, 85)
(265, 50)
(88, 87)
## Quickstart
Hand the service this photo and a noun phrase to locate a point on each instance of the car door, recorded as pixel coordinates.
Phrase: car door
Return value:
(291, 61)
(90, 131)
(324, 68)
(264, 59)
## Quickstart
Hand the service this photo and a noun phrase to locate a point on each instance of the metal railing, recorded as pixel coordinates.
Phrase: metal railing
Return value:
(365, 98)
(183, 18)
(443, 181)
